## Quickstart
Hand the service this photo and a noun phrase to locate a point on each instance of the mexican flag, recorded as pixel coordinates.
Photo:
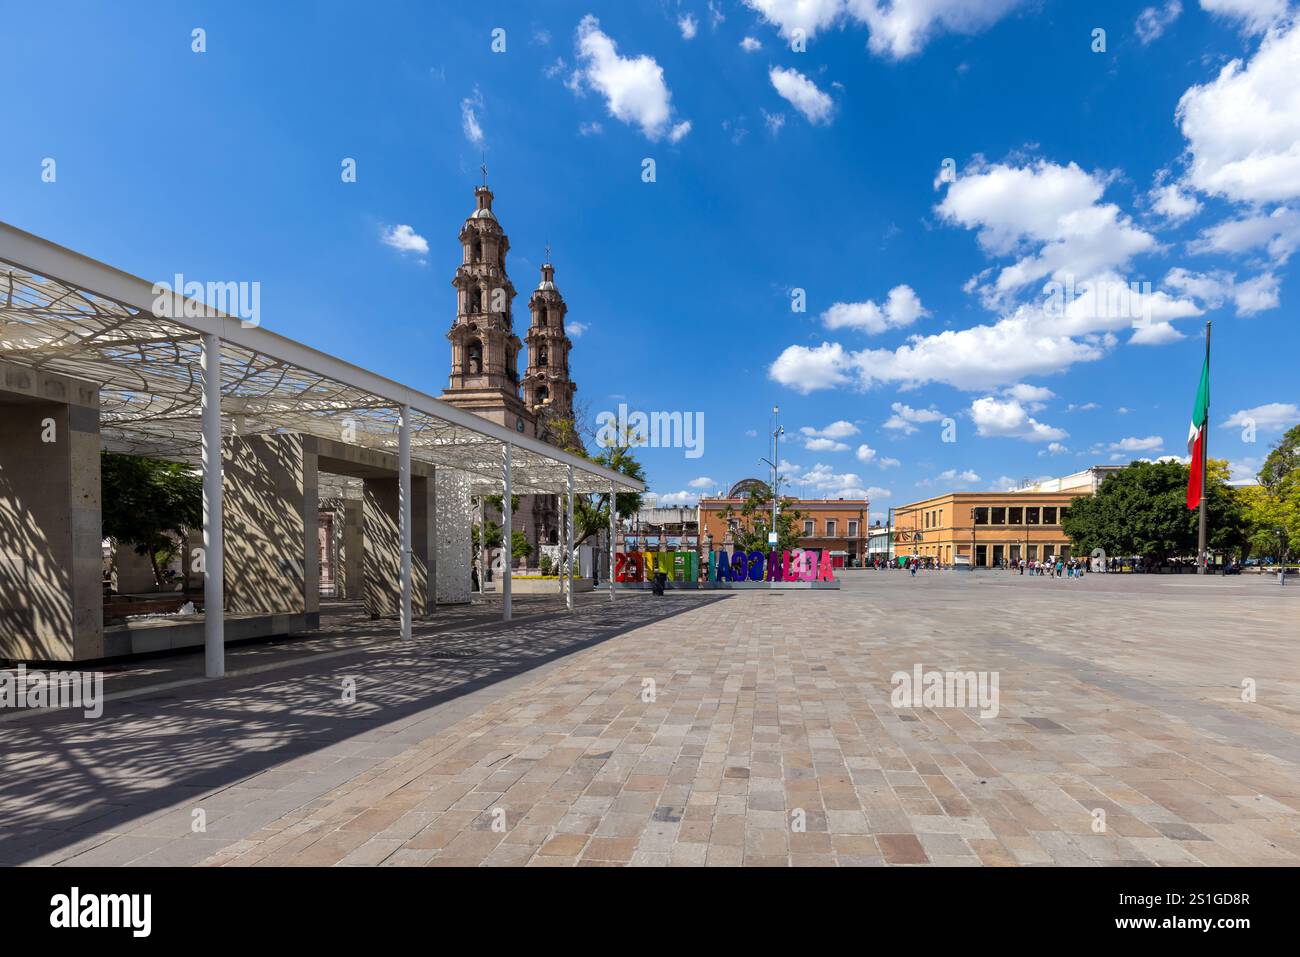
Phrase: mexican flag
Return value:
(1196, 437)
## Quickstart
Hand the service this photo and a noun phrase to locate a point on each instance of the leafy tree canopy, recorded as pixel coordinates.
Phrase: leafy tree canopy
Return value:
(1273, 507)
(1142, 510)
(753, 521)
(148, 503)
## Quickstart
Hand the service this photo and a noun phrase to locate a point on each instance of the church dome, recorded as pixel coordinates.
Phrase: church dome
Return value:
(742, 488)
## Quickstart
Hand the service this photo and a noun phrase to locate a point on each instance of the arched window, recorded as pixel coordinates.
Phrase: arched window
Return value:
(476, 251)
(542, 394)
(541, 356)
(475, 299)
(475, 356)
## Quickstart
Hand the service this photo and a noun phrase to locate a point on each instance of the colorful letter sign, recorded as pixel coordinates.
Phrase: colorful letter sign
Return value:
(809, 565)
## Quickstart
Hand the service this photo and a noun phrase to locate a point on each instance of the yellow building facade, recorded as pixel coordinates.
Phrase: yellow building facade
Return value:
(986, 529)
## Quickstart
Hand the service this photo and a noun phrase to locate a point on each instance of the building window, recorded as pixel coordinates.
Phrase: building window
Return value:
(1031, 516)
(1033, 553)
(541, 356)
(999, 516)
(830, 528)
(1016, 516)
(853, 529)
(1049, 515)
(475, 358)
(981, 516)
(808, 528)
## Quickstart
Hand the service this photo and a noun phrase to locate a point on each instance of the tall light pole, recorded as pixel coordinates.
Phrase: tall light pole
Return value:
(777, 432)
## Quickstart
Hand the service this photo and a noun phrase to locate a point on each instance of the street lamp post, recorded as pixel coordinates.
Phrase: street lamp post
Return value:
(777, 432)
(1281, 555)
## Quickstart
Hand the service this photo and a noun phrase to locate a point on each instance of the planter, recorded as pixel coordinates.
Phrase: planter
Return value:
(539, 585)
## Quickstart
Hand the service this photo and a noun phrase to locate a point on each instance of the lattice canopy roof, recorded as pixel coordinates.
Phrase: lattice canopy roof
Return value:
(65, 313)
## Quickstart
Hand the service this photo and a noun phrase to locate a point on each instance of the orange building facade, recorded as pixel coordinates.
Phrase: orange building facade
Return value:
(835, 525)
(986, 529)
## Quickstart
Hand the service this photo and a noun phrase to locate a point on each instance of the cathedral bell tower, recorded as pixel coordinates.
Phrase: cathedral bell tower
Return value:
(484, 348)
(548, 390)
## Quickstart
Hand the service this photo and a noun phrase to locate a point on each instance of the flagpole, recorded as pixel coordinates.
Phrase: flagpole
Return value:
(1205, 458)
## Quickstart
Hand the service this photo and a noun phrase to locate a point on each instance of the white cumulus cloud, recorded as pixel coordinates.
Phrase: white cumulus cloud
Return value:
(469, 122)
(1274, 415)
(1253, 16)
(902, 308)
(1243, 127)
(1153, 21)
(402, 237)
(905, 418)
(1009, 419)
(803, 94)
(633, 87)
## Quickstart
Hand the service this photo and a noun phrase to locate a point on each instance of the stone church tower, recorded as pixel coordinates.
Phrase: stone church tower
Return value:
(548, 390)
(484, 348)
(485, 354)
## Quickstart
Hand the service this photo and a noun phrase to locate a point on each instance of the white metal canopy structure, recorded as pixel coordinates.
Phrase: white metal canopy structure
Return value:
(64, 312)
(67, 313)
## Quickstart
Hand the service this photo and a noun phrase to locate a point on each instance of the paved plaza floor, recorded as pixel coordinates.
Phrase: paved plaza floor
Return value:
(750, 728)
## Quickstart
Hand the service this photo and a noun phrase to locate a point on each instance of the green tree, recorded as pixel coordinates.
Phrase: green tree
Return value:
(1273, 506)
(591, 511)
(1282, 466)
(147, 504)
(519, 545)
(754, 520)
(1142, 510)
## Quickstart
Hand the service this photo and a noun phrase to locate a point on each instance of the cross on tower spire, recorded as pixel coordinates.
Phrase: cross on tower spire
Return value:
(483, 167)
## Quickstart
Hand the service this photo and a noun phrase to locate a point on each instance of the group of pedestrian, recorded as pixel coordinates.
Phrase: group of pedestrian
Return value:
(1058, 567)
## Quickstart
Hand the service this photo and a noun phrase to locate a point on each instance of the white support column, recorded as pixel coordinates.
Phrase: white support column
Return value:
(214, 637)
(568, 548)
(482, 545)
(404, 513)
(507, 539)
(612, 513)
(431, 546)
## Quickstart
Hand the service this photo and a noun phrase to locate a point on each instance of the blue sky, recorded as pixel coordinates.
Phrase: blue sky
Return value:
(1170, 158)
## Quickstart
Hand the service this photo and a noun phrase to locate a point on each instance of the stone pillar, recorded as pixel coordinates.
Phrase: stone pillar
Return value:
(51, 559)
(348, 575)
(132, 573)
(381, 564)
(271, 519)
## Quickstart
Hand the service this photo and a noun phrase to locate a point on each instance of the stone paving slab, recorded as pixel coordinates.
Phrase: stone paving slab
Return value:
(246, 750)
(770, 739)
